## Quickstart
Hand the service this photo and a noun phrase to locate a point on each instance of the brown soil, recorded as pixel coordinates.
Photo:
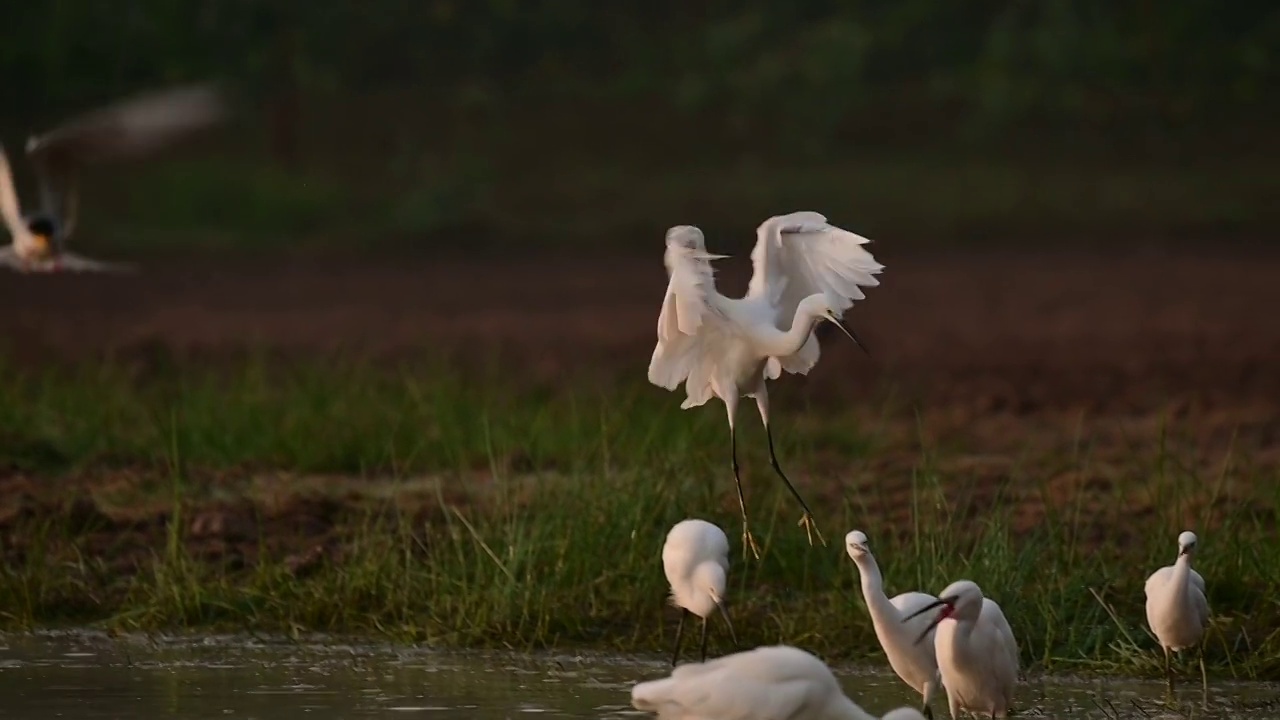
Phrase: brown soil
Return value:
(1059, 370)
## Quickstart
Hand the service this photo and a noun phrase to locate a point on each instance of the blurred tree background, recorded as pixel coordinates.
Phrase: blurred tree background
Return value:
(578, 123)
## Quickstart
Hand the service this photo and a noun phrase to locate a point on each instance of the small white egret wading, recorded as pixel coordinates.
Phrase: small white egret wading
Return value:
(977, 655)
(767, 683)
(1177, 610)
(695, 559)
(914, 662)
(804, 271)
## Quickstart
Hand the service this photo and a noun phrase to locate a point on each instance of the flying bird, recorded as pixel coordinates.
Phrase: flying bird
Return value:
(131, 128)
(806, 271)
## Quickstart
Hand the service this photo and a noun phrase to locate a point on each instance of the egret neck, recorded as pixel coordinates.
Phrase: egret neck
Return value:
(884, 615)
(1178, 597)
(773, 342)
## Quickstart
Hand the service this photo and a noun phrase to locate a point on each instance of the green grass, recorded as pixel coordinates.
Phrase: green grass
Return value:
(511, 514)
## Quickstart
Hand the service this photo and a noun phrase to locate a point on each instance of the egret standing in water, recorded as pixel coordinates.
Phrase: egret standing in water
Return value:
(805, 271)
(977, 655)
(695, 559)
(130, 128)
(767, 683)
(914, 662)
(1177, 610)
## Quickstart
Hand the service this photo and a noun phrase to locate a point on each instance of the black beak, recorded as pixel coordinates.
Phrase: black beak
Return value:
(725, 614)
(935, 604)
(849, 331)
(1186, 550)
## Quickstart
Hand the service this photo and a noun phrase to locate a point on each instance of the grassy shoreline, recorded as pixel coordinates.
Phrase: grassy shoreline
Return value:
(456, 510)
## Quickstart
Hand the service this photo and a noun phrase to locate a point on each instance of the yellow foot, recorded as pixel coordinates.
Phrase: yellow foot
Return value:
(811, 529)
(749, 542)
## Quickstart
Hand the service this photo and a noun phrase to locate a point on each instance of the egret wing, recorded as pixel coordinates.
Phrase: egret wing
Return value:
(1157, 580)
(1198, 581)
(79, 263)
(9, 258)
(690, 321)
(690, 288)
(743, 686)
(800, 254)
(9, 207)
(56, 176)
(1002, 632)
(1199, 598)
(132, 127)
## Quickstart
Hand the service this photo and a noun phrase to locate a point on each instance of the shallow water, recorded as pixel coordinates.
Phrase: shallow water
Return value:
(78, 675)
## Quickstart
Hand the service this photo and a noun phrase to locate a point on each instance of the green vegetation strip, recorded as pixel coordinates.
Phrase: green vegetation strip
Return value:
(565, 552)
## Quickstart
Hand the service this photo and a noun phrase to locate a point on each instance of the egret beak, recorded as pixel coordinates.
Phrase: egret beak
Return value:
(1185, 550)
(948, 607)
(725, 614)
(710, 256)
(848, 331)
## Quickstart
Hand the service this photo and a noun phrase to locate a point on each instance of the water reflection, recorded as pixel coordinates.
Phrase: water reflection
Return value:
(77, 675)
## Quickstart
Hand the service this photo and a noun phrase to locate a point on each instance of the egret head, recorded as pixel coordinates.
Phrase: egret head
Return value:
(686, 236)
(1186, 543)
(855, 543)
(709, 578)
(821, 307)
(961, 600)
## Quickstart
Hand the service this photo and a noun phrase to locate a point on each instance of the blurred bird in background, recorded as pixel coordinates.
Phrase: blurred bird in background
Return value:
(133, 128)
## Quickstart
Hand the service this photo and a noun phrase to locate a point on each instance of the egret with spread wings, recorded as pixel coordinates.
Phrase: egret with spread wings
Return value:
(805, 271)
(132, 128)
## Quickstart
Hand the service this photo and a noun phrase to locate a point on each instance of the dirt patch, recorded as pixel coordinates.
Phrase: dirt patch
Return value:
(1015, 360)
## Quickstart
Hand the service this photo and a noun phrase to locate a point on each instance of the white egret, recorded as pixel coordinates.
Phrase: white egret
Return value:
(127, 129)
(767, 683)
(804, 271)
(695, 559)
(1177, 609)
(977, 654)
(914, 662)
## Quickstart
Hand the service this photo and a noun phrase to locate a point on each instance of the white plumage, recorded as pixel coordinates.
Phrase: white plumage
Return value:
(1177, 609)
(976, 651)
(767, 683)
(695, 559)
(914, 662)
(805, 271)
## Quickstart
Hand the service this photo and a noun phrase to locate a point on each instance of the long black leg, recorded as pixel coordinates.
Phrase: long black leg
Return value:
(748, 541)
(1168, 671)
(704, 639)
(679, 632)
(810, 527)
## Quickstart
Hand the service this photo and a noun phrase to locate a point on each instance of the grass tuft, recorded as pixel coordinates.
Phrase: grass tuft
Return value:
(463, 508)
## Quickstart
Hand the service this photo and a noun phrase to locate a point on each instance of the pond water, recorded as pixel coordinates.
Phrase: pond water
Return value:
(92, 677)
